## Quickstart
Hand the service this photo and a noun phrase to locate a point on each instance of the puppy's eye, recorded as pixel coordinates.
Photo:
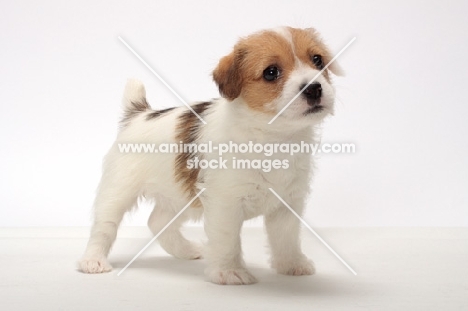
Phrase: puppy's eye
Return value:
(271, 73)
(317, 60)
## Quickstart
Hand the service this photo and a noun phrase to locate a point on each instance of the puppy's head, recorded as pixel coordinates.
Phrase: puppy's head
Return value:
(267, 71)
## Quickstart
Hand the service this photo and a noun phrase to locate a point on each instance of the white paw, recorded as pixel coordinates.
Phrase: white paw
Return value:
(301, 266)
(189, 251)
(239, 276)
(94, 265)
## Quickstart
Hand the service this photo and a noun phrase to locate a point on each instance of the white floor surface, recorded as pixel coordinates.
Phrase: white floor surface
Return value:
(398, 269)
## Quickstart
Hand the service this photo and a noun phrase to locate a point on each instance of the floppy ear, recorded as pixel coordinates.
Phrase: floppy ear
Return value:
(227, 75)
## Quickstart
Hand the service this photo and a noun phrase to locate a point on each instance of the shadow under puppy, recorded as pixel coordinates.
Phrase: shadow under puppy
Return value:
(263, 73)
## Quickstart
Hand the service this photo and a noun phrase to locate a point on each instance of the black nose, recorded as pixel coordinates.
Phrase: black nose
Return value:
(313, 91)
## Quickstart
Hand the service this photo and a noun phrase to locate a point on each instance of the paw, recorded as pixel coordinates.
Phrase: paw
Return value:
(191, 252)
(188, 251)
(239, 276)
(94, 265)
(301, 266)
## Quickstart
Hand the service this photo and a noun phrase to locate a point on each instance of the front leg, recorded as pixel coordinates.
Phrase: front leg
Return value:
(223, 252)
(283, 229)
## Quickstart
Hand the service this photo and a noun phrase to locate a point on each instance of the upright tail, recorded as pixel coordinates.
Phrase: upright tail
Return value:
(134, 100)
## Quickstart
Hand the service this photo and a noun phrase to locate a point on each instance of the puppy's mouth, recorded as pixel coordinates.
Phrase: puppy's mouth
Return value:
(314, 107)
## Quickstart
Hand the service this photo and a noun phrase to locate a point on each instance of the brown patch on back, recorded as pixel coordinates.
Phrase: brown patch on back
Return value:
(132, 111)
(157, 113)
(188, 132)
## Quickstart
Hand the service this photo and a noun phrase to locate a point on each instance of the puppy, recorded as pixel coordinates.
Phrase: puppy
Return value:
(263, 73)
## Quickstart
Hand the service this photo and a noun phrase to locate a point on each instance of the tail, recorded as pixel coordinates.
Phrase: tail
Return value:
(134, 100)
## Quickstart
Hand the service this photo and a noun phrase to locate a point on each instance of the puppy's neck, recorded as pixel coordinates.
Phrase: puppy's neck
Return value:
(237, 118)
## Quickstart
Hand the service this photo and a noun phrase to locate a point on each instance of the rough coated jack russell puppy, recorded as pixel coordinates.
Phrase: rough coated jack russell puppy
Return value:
(263, 73)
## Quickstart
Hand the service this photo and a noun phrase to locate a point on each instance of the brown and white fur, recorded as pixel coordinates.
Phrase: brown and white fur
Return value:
(232, 196)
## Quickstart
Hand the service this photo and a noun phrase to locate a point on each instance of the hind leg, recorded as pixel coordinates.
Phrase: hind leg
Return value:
(172, 240)
(112, 201)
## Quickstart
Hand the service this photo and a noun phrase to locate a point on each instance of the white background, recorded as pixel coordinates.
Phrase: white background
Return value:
(403, 101)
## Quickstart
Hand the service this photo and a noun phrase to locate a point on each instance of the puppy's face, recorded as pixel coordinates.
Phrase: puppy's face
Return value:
(268, 69)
